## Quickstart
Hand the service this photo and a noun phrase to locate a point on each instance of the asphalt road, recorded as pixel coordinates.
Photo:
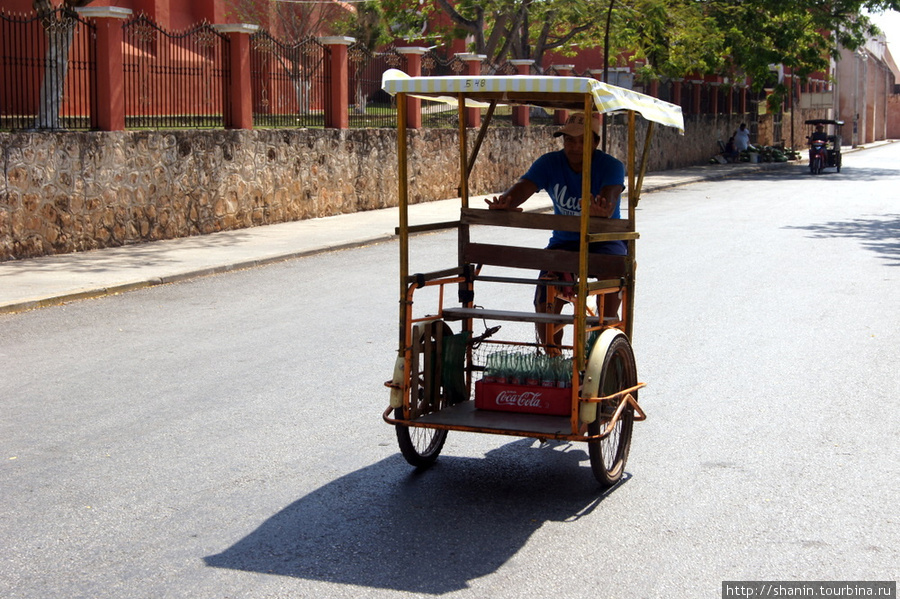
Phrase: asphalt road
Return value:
(221, 437)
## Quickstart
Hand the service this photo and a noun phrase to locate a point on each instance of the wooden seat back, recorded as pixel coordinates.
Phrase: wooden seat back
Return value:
(599, 265)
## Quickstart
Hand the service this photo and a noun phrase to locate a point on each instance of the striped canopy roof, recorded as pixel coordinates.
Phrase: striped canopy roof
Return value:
(549, 92)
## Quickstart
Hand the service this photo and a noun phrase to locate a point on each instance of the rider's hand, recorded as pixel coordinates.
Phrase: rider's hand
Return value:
(502, 202)
(602, 207)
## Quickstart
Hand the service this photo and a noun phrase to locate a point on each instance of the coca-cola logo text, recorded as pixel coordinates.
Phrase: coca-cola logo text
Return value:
(525, 399)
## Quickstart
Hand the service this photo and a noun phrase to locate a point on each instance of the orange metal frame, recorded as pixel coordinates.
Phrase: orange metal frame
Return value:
(624, 398)
(621, 400)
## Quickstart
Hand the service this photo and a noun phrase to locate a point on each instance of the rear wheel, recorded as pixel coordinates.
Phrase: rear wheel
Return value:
(608, 456)
(421, 446)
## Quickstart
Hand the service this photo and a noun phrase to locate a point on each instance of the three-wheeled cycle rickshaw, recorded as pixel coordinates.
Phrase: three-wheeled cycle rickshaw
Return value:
(454, 369)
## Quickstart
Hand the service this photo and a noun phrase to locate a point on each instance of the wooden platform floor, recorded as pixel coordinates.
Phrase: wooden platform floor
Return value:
(466, 415)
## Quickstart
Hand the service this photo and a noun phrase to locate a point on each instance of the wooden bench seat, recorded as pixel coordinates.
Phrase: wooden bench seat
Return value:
(602, 266)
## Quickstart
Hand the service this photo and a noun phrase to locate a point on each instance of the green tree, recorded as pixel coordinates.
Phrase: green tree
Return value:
(673, 37)
(503, 29)
(292, 24)
(290, 21)
(365, 23)
(801, 35)
(738, 38)
(734, 38)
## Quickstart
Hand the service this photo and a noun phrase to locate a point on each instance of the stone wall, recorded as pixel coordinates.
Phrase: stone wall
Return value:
(77, 191)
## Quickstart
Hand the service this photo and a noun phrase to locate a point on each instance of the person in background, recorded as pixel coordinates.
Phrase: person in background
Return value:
(819, 134)
(731, 151)
(742, 138)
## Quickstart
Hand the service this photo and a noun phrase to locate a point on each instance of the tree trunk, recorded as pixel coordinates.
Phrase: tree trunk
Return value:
(361, 101)
(59, 29)
(302, 88)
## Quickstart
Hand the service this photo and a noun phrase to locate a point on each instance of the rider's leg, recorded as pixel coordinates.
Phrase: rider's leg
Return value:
(611, 303)
(546, 301)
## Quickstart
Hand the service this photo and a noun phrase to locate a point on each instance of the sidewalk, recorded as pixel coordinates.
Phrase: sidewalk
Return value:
(51, 280)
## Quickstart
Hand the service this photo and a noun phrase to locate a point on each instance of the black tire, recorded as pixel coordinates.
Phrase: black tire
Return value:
(608, 456)
(815, 166)
(420, 446)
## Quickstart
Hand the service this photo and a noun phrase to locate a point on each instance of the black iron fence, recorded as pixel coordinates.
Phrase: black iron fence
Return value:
(290, 82)
(48, 79)
(439, 114)
(47, 71)
(175, 80)
(369, 105)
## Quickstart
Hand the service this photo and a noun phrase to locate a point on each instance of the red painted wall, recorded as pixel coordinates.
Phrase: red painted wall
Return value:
(173, 15)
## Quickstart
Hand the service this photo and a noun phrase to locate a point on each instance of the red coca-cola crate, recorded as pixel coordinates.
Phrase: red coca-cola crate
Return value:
(533, 399)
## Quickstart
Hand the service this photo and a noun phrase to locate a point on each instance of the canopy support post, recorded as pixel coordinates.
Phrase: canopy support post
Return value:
(403, 205)
(486, 121)
(627, 309)
(581, 304)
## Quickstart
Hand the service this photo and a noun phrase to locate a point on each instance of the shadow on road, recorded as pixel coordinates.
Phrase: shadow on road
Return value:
(388, 526)
(136, 256)
(797, 172)
(880, 235)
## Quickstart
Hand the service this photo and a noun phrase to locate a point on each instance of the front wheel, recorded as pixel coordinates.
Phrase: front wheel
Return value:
(815, 167)
(608, 456)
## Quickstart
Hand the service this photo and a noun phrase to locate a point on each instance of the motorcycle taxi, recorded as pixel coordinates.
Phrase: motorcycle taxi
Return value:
(824, 145)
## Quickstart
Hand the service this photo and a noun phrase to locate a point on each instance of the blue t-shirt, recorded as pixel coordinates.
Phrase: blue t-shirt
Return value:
(552, 173)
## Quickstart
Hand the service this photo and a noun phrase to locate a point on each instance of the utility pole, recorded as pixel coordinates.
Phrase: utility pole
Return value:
(606, 64)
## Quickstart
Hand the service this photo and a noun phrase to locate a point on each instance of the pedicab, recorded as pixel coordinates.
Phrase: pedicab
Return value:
(456, 368)
(824, 146)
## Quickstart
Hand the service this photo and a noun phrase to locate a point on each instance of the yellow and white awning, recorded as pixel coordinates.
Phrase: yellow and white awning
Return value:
(548, 92)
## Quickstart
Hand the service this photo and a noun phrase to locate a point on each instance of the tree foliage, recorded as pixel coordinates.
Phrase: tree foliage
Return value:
(676, 38)
(45, 7)
(291, 21)
(501, 29)
(294, 21)
(365, 23)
